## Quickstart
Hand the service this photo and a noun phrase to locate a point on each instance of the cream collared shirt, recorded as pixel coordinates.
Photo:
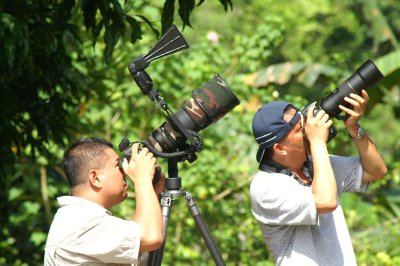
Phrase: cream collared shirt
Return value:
(84, 233)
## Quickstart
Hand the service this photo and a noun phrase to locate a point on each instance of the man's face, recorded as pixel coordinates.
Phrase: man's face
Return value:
(293, 141)
(114, 187)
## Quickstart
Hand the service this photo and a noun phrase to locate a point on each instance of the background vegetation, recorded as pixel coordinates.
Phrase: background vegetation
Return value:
(64, 75)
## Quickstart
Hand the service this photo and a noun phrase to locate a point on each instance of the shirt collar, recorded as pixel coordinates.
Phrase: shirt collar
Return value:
(73, 200)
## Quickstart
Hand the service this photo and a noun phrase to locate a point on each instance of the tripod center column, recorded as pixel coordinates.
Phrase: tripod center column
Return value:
(174, 183)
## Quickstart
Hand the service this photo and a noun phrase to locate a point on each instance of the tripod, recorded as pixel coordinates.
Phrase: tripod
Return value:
(173, 189)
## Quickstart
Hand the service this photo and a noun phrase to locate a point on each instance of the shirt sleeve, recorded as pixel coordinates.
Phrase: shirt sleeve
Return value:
(349, 173)
(108, 239)
(280, 199)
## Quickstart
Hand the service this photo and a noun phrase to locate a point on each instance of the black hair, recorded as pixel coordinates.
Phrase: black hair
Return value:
(81, 155)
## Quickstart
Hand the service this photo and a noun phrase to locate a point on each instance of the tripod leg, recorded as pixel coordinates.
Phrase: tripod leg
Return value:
(155, 257)
(202, 226)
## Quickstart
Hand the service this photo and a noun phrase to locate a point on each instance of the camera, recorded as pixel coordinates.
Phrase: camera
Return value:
(178, 138)
(207, 105)
(365, 77)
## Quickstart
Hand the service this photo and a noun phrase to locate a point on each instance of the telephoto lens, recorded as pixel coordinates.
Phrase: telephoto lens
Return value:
(207, 105)
(364, 77)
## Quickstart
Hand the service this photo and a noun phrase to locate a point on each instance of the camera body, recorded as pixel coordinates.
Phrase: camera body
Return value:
(365, 77)
(304, 111)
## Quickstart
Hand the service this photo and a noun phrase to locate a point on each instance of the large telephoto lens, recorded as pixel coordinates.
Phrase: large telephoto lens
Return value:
(364, 77)
(207, 105)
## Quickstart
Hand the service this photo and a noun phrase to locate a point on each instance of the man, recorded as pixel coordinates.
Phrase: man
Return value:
(83, 231)
(296, 200)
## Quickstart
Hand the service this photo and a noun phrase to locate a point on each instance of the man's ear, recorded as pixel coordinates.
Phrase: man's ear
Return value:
(94, 178)
(279, 149)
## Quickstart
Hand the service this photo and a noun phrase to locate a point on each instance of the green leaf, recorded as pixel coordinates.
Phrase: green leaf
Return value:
(388, 63)
(148, 22)
(312, 72)
(390, 67)
(118, 12)
(167, 16)
(96, 31)
(380, 27)
(89, 8)
(111, 37)
(282, 73)
(185, 9)
(226, 4)
(135, 26)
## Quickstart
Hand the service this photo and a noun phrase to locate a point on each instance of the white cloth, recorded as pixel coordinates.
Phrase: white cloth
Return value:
(84, 233)
(287, 216)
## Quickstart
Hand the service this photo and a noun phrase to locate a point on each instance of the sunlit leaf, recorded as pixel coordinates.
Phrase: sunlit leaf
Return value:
(282, 73)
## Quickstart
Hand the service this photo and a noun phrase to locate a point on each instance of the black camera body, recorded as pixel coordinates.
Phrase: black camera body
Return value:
(304, 111)
(365, 77)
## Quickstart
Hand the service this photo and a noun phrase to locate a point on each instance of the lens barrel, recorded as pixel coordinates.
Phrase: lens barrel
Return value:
(207, 105)
(364, 77)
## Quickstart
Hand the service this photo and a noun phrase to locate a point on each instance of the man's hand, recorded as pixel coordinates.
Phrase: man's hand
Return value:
(159, 186)
(317, 128)
(359, 105)
(371, 161)
(141, 166)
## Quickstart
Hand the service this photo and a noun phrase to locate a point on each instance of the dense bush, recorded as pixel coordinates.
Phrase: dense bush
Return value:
(69, 91)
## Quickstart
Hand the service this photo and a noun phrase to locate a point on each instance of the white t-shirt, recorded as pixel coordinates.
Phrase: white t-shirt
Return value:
(294, 232)
(84, 233)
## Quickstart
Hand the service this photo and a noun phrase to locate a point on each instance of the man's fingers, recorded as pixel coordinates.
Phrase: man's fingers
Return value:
(135, 148)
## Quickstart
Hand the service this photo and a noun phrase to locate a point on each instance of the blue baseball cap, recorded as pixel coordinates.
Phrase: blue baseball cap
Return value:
(269, 126)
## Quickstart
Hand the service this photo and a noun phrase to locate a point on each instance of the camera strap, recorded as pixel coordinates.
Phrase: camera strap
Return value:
(273, 167)
(308, 164)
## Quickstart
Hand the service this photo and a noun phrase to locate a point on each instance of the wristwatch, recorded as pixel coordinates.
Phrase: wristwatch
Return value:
(360, 133)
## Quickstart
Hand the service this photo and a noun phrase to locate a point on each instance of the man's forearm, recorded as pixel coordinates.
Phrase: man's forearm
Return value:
(148, 216)
(371, 161)
(324, 186)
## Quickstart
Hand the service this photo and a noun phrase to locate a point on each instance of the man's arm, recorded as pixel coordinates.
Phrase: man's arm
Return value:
(148, 211)
(372, 163)
(324, 186)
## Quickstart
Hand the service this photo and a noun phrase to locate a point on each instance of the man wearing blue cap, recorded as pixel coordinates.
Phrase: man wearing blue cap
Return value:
(295, 195)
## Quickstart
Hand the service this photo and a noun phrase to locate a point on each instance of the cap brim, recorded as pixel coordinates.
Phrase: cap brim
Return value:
(260, 154)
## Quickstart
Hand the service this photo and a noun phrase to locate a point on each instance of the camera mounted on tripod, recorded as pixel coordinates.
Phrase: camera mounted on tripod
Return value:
(178, 138)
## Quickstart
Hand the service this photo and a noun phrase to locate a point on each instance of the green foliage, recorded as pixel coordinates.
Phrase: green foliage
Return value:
(282, 73)
(39, 78)
(78, 84)
(51, 75)
(32, 97)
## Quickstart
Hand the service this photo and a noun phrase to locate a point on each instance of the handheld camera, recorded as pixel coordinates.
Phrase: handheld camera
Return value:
(365, 77)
